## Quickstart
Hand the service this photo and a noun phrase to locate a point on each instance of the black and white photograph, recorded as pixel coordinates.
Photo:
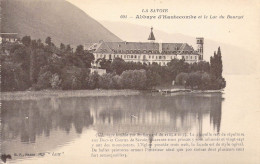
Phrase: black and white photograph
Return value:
(152, 81)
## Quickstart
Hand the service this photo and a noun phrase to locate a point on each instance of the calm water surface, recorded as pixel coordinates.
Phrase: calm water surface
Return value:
(66, 125)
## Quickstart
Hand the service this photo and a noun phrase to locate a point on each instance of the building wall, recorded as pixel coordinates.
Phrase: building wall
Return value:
(99, 71)
(7, 39)
(148, 58)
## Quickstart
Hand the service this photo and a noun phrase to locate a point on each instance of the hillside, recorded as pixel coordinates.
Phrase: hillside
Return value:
(235, 59)
(59, 19)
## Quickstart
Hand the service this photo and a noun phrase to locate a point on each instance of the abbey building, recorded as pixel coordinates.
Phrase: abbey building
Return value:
(148, 52)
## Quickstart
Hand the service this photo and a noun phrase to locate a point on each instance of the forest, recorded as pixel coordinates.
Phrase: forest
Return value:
(35, 65)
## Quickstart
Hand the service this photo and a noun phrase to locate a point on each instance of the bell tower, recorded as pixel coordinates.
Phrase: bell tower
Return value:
(200, 42)
(151, 36)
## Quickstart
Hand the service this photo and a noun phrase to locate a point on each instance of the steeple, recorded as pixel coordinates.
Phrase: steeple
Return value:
(151, 36)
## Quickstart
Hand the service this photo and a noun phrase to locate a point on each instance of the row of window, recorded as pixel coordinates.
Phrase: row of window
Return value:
(146, 51)
(9, 39)
(132, 56)
(189, 57)
(160, 63)
(144, 57)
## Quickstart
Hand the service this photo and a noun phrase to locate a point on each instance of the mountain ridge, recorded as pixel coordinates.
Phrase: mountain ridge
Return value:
(59, 19)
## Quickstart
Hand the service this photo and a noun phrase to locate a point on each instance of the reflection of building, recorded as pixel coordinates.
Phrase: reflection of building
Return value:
(157, 114)
(148, 52)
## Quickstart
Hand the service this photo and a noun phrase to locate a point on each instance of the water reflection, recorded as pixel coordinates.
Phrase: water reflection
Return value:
(28, 119)
(157, 113)
(41, 125)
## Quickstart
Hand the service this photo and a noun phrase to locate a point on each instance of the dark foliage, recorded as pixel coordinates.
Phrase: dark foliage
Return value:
(32, 64)
(35, 65)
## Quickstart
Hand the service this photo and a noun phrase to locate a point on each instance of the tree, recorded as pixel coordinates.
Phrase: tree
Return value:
(134, 79)
(105, 64)
(39, 59)
(139, 79)
(117, 82)
(68, 49)
(220, 65)
(79, 50)
(40, 44)
(182, 78)
(48, 41)
(153, 79)
(106, 81)
(13, 77)
(55, 81)
(216, 66)
(44, 80)
(118, 65)
(87, 58)
(74, 78)
(26, 40)
(204, 66)
(194, 80)
(205, 81)
(34, 44)
(62, 47)
(21, 55)
(93, 81)
(177, 66)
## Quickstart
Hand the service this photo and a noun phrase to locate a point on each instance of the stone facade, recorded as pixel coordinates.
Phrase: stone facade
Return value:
(148, 52)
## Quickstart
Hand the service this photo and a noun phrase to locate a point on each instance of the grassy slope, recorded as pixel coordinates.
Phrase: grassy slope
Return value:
(55, 18)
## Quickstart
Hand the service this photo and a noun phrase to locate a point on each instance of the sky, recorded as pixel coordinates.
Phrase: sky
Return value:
(243, 33)
(240, 32)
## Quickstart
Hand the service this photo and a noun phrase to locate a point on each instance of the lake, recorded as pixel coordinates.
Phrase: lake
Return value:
(65, 126)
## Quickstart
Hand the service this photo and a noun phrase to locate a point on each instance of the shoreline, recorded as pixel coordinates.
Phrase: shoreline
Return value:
(34, 95)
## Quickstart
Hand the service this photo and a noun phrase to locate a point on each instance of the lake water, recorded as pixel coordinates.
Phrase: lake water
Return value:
(66, 125)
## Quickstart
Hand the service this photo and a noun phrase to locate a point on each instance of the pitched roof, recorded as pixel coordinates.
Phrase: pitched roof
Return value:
(143, 47)
(9, 35)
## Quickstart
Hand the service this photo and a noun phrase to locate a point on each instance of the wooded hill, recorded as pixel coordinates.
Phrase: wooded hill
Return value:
(59, 19)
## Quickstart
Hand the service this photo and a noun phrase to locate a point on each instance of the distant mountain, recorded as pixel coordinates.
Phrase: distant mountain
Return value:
(235, 59)
(59, 19)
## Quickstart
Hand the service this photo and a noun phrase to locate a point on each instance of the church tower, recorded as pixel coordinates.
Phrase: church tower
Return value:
(1, 17)
(200, 42)
(151, 36)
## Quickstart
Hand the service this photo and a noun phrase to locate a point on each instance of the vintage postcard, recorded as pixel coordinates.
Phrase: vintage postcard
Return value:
(152, 81)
